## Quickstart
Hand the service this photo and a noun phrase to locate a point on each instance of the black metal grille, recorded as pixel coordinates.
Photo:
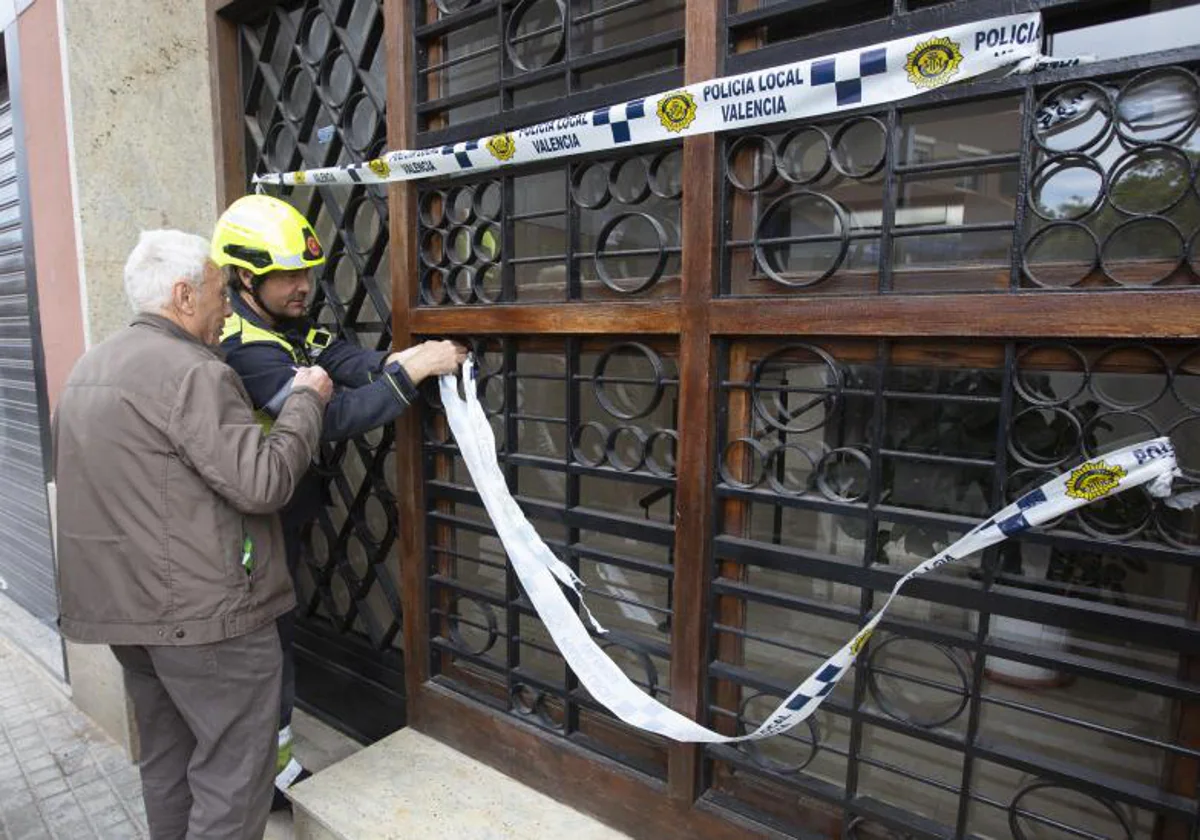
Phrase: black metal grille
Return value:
(314, 92)
(600, 229)
(531, 60)
(1035, 684)
(1076, 186)
(587, 436)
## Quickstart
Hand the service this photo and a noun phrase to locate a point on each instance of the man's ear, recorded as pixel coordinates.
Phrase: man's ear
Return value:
(245, 278)
(183, 297)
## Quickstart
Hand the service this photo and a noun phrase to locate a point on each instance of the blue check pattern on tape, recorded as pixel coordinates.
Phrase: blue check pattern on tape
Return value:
(618, 117)
(460, 153)
(846, 75)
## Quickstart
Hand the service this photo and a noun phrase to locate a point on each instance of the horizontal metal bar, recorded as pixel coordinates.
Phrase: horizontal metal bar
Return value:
(952, 166)
(931, 458)
(457, 21)
(1088, 779)
(459, 59)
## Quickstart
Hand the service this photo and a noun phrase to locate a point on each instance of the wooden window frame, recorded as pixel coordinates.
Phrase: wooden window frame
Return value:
(621, 797)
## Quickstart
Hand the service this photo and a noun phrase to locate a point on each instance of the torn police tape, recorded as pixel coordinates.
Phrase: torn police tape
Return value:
(543, 576)
(873, 75)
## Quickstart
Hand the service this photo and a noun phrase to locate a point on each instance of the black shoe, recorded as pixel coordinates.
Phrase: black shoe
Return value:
(280, 802)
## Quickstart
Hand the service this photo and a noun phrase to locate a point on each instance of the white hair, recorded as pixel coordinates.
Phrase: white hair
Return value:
(161, 259)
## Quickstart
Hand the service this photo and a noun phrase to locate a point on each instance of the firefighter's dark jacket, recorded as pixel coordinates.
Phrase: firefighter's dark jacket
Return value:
(366, 393)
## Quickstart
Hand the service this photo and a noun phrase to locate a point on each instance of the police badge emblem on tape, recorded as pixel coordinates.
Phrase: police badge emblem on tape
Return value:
(934, 63)
(676, 111)
(502, 146)
(546, 579)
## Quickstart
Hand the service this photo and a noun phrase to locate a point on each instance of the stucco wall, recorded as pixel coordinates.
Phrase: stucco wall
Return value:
(142, 126)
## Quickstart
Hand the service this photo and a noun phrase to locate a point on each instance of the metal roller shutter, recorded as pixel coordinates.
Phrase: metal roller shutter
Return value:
(26, 556)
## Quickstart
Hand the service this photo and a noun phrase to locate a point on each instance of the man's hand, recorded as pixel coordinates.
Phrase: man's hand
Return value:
(315, 378)
(430, 358)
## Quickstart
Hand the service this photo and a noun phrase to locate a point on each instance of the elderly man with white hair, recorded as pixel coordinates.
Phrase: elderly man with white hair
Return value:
(169, 549)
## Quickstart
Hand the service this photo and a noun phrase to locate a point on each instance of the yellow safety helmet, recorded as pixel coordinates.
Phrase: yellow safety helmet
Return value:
(264, 234)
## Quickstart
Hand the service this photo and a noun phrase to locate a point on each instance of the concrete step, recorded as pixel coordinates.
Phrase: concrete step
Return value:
(409, 785)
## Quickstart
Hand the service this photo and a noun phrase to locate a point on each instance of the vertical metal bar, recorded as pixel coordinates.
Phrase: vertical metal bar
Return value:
(512, 590)
(1016, 261)
(989, 564)
(574, 290)
(890, 186)
(508, 270)
(574, 418)
(870, 553)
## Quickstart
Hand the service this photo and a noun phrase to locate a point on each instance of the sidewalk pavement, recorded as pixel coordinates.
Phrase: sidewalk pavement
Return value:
(60, 776)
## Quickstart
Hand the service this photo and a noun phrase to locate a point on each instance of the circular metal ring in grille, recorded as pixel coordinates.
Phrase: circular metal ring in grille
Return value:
(1185, 380)
(579, 450)
(599, 381)
(488, 200)
(1016, 812)
(1054, 272)
(666, 174)
(592, 175)
(1044, 436)
(460, 285)
(662, 465)
(785, 206)
(804, 357)
(602, 253)
(514, 37)
(454, 619)
(836, 477)
(650, 684)
(1134, 236)
(1185, 96)
(753, 461)
(620, 183)
(1038, 388)
(316, 34)
(617, 444)
(1074, 117)
(534, 706)
(431, 210)
(893, 706)
(1165, 164)
(1145, 359)
(751, 748)
(1067, 168)
(453, 7)
(435, 291)
(798, 175)
(845, 158)
(777, 472)
(763, 162)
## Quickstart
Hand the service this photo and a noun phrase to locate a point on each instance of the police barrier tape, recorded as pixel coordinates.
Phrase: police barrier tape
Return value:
(543, 576)
(853, 79)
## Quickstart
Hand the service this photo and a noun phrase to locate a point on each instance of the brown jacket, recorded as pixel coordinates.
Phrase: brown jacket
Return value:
(162, 473)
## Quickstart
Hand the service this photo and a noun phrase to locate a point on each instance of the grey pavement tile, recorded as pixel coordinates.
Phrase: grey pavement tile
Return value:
(24, 821)
(109, 817)
(84, 775)
(51, 789)
(125, 831)
(77, 830)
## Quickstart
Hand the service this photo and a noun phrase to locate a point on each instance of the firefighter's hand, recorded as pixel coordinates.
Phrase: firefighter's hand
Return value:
(430, 358)
(315, 378)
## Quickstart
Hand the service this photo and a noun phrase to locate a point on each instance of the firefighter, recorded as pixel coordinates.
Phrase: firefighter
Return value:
(268, 252)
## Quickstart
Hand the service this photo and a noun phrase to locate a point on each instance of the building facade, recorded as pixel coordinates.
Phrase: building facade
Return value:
(740, 382)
